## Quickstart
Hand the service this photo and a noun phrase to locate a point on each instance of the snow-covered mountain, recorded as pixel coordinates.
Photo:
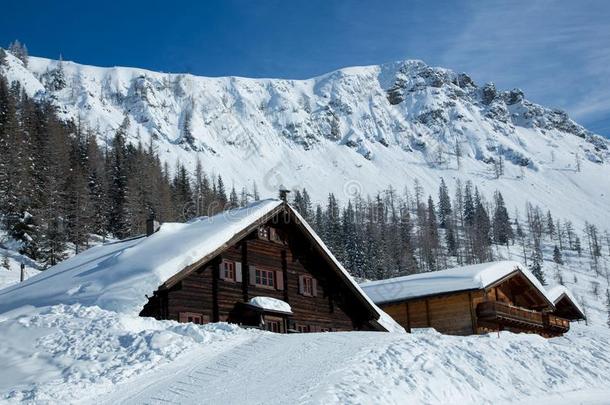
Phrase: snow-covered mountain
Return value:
(354, 129)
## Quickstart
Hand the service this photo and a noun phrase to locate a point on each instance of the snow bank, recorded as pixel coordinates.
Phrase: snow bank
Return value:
(118, 276)
(67, 351)
(472, 277)
(73, 353)
(270, 304)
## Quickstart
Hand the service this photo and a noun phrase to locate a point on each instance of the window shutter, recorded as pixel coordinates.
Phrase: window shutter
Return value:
(279, 280)
(238, 276)
(301, 285)
(252, 275)
(314, 287)
(221, 270)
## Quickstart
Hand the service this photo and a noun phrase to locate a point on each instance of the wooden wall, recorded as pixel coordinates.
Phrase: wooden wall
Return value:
(455, 313)
(447, 314)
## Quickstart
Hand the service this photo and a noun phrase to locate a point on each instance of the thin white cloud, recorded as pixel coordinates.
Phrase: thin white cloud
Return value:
(557, 51)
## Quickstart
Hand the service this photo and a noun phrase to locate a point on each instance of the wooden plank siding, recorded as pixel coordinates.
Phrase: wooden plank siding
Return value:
(448, 314)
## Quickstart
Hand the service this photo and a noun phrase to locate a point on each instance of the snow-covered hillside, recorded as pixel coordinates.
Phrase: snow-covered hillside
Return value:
(355, 129)
(77, 354)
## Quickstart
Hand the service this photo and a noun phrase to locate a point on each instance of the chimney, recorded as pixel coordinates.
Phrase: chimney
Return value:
(284, 193)
(152, 226)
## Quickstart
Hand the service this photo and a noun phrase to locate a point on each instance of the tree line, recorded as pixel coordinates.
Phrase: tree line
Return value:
(394, 234)
(58, 185)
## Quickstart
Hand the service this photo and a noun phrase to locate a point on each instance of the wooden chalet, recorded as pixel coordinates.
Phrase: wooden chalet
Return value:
(272, 272)
(469, 300)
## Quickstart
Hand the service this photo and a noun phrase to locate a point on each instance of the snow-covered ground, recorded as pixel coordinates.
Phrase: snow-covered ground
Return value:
(77, 354)
(10, 267)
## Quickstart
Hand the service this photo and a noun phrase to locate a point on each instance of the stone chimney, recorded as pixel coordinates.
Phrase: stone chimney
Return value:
(284, 193)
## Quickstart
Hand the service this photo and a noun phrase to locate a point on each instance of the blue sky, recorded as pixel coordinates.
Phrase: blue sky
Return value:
(557, 51)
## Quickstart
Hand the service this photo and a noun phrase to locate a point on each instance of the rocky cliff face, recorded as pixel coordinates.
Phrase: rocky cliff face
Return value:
(373, 126)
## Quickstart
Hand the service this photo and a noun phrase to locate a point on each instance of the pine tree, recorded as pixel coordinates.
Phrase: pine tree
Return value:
(56, 77)
(20, 51)
(354, 259)
(5, 262)
(117, 180)
(183, 195)
(233, 199)
(333, 227)
(550, 224)
(502, 230)
(557, 255)
(469, 209)
(430, 240)
(536, 263)
(187, 135)
(444, 205)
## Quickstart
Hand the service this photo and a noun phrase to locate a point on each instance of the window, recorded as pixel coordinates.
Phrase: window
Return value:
(308, 286)
(228, 270)
(193, 317)
(273, 326)
(303, 328)
(265, 278)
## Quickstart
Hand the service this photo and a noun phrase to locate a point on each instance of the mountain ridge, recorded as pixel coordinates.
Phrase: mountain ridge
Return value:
(356, 129)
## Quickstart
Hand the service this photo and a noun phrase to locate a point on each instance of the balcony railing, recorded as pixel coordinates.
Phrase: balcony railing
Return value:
(502, 313)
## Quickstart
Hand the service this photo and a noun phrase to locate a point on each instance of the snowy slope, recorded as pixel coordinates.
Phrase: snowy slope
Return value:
(355, 129)
(77, 354)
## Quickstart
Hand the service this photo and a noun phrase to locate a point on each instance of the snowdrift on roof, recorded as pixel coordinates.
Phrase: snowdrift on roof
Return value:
(465, 278)
(270, 304)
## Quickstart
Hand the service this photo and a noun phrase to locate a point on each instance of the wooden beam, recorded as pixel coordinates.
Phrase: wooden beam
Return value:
(427, 313)
(245, 270)
(285, 273)
(408, 317)
(215, 269)
(473, 315)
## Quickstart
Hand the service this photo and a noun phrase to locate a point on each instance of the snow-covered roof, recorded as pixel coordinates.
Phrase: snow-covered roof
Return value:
(270, 304)
(474, 277)
(559, 291)
(119, 276)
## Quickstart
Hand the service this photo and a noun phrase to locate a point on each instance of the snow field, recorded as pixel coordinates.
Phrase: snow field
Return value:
(77, 354)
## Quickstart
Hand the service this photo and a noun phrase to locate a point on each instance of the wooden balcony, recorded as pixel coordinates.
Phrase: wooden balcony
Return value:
(506, 314)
